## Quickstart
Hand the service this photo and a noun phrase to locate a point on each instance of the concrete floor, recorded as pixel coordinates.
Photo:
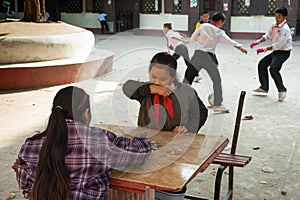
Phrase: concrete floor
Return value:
(274, 131)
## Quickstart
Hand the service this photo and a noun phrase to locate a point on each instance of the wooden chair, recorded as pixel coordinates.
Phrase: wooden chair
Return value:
(230, 160)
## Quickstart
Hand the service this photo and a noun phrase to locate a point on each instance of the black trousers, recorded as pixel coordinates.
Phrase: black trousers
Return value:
(190, 72)
(104, 26)
(275, 61)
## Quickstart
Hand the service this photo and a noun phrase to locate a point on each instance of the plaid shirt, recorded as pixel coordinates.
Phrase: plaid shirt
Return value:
(92, 152)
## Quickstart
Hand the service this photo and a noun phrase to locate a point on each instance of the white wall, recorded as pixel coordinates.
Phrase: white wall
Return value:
(156, 21)
(252, 24)
(87, 20)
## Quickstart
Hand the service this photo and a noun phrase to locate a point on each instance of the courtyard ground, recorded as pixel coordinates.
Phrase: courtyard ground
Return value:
(272, 137)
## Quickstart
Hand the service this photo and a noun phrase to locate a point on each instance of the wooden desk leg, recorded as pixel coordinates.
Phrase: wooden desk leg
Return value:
(150, 194)
(115, 194)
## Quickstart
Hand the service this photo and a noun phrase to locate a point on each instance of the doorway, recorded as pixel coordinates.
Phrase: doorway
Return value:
(213, 6)
(124, 15)
(298, 20)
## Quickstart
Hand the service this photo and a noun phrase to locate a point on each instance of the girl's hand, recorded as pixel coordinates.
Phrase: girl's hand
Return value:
(179, 129)
(161, 90)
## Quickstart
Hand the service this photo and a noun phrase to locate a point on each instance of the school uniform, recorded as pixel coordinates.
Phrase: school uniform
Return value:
(198, 24)
(213, 55)
(207, 36)
(181, 108)
(180, 50)
(280, 36)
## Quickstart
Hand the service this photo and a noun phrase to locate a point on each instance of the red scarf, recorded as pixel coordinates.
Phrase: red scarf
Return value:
(214, 23)
(168, 104)
(277, 26)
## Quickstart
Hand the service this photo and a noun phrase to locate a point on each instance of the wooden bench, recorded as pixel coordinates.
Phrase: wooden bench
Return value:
(230, 160)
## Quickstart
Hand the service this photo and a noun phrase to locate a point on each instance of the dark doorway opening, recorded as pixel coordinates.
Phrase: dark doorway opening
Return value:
(298, 20)
(213, 6)
(124, 15)
(52, 7)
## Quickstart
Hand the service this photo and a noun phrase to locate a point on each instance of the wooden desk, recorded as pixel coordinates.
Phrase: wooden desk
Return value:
(177, 161)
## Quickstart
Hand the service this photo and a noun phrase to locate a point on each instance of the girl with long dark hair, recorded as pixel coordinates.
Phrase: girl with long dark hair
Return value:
(70, 159)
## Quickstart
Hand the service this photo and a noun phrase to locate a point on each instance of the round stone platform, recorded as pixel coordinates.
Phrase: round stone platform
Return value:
(35, 55)
(57, 72)
(23, 42)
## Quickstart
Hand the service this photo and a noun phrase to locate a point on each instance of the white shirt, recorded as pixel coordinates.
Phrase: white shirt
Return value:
(208, 36)
(280, 36)
(170, 35)
(101, 17)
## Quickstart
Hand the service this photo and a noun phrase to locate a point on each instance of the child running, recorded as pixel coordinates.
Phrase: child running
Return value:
(280, 36)
(176, 41)
(207, 36)
(204, 18)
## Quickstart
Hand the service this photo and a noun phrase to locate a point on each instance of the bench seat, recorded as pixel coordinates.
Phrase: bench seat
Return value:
(232, 160)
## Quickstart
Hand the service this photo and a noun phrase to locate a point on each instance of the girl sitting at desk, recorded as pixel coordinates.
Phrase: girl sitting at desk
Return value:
(165, 103)
(70, 159)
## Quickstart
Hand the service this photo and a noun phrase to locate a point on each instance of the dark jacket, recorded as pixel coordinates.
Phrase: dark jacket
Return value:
(189, 110)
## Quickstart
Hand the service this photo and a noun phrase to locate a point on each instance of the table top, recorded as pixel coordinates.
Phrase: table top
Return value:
(178, 158)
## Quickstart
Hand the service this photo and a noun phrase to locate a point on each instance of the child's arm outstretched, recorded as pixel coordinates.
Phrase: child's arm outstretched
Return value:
(243, 50)
(225, 38)
(257, 42)
(181, 40)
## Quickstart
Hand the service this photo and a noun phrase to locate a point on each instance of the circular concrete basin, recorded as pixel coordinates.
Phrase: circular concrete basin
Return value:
(22, 42)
